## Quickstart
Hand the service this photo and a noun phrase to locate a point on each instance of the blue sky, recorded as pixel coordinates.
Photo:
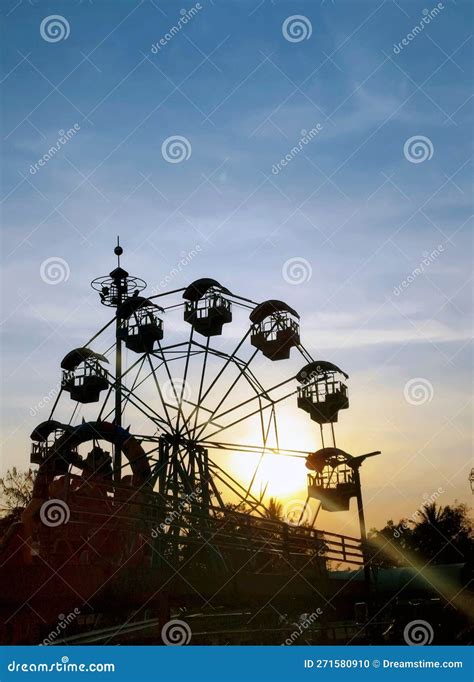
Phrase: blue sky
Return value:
(350, 202)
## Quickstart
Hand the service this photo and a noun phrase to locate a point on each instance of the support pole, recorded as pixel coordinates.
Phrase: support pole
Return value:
(363, 530)
(118, 384)
(113, 290)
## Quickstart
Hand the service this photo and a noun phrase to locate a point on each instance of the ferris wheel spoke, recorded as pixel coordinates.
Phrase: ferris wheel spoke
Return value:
(106, 326)
(55, 404)
(251, 414)
(134, 383)
(265, 431)
(263, 394)
(247, 300)
(306, 354)
(183, 385)
(159, 353)
(158, 388)
(171, 382)
(253, 383)
(132, 366)
(242, 372)
(229, 359)
(239, 489)
(258, 387)
(255, 449)
(239, 362)
(167, 293)
(138, 363)
(201, 384)
(265, 438)
(76, 408)
(155, 418)
(158, 357)
(217, 494)
(141, 405)
(104, 404)
(252, 480)
(184, 472)
(246, 371)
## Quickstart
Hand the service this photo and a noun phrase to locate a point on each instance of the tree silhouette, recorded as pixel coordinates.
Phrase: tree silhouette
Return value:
(444, 534)
(274, 509)
(439, 535)
(16, 488)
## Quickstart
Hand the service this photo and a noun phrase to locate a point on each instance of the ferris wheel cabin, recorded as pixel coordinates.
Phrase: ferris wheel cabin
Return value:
(275, 329)
(322, 392)
(43, 438)
(206, 309)
(332, 481)
(83, 375)
(140, 325)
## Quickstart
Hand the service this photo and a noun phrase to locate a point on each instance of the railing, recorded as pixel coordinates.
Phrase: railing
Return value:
(117, 512)
(215, 628)
(320, 391)
(330, 477)
(202, 306)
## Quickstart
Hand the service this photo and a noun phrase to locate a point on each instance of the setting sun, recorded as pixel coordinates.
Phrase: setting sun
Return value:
(281, 476)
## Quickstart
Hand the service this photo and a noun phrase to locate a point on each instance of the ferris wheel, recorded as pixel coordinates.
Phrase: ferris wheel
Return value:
(167, 364)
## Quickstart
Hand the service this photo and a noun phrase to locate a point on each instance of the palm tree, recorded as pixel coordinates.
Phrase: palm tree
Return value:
(432, 514)
(438, 535)
(274, 509)
(443, 534)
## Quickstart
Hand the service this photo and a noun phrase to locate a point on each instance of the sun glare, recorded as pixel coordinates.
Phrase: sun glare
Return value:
(280, 476)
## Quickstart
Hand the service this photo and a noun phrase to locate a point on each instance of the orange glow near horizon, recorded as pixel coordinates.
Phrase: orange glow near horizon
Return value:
(283, 477)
